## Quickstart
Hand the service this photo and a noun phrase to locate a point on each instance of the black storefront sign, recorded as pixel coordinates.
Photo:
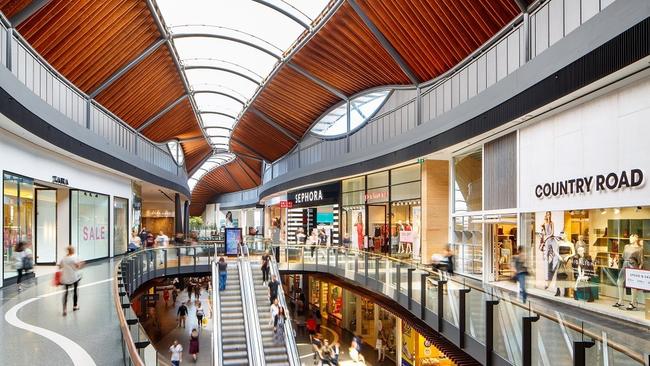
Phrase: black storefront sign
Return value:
(316, 195)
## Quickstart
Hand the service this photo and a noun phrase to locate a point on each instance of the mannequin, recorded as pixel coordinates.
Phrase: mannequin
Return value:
(416, 236)
(409, 245)
(548, 246)
(581, 243)
(583, 271)
(359, 230)
(632, 258)
(400, 227)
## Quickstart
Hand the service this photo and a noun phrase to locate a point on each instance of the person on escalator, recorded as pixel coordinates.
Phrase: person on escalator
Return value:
(278, 326)
(266, 266)
(275, 309)
(223, 273)
(273, 288)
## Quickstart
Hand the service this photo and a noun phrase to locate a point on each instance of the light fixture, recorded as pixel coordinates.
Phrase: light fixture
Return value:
(603, 211)
(638, 208)
(617, 211)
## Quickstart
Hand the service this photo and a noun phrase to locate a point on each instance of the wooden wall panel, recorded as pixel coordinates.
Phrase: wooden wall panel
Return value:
(88, 41)
(435, 207)
(145, 90)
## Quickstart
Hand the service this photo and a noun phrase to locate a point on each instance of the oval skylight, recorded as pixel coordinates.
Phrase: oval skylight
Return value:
(362, 108)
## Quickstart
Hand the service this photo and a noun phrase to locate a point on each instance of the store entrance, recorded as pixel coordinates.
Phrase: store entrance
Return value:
(502, 231)
(378, 228)
(45, 238)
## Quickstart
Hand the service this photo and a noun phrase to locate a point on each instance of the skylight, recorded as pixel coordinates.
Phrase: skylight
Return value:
(214, 162)
(362, 108)
(230, 47)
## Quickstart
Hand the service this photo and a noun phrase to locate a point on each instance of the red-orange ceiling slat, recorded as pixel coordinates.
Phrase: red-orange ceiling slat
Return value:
(13, 7)
(178, 123)
(265, 139)
(88, 41)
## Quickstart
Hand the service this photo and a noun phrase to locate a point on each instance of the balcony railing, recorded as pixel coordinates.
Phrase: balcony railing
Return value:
(523, 39)
(42, 79)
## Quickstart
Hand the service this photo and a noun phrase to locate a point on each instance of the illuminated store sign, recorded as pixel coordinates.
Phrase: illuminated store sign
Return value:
(314, 196)
(595, 183)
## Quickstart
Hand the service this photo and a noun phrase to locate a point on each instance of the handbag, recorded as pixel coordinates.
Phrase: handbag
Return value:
(28, 262)
(56, 280)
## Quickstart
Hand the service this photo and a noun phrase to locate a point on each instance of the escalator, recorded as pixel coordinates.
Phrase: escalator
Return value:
(233, 326)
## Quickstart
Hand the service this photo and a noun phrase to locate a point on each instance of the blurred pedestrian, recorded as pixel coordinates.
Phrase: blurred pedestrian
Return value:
(266, 266)
(521, 271)
(194, 344)
(273, 288)
(278, 326)
(70, 276)
(182, 315)
(223, 273)
(23, 261)
(177, 353)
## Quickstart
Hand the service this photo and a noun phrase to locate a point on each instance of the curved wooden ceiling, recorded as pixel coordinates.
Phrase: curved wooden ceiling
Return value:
(89, 42)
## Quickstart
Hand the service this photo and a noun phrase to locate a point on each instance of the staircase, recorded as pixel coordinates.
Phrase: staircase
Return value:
(274, 354)
(233, 329)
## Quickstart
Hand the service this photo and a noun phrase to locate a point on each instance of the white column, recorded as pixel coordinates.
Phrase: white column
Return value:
(398, 342)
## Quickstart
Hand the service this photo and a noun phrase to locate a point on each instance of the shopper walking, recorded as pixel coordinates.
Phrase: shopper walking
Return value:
(143, 234)
(223, 273)
(266, 267)
(275, 309)
(182, 315)
(278, 326)
(23, 261)
(70, 277)
(134, 242)
(273, 288)
(199, 314)
(177, 353)
(194, 344)
(521, 271)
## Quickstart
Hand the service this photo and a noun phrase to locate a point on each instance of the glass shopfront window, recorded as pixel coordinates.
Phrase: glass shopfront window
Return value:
(121, 225)
(89, 224)
(353, 220)
(585, 254)
(468, 182)
(468, 245)
(18, 217)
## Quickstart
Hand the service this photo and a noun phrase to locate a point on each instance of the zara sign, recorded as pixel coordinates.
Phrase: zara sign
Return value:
(612, 181)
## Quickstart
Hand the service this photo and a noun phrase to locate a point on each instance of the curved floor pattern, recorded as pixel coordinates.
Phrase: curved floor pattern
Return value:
(33, 332)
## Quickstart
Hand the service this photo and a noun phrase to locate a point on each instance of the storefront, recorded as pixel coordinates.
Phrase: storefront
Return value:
(382, 212)
(51, 201)
(314, 212)
(585, 216)
(275, 220)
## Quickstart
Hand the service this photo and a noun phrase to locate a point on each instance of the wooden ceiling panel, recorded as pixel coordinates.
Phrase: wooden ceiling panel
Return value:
(88, 41)
(179, 123)
(346, 55)
(265, 139)
(12, 7)
(278, 101)
(434, 36)
(195, 152)
(145, 90)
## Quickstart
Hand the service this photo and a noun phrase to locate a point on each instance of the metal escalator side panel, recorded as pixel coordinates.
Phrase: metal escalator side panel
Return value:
(289, 334)
(253, 332)
(217, 341)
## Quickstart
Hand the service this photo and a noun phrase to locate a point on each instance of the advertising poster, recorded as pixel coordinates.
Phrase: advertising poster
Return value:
(233, 237)
(409, 337)
(357, 232)
(548, 226)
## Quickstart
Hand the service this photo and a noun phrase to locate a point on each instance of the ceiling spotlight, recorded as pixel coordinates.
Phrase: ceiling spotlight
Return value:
(571, 212)
(603, 211)
(638, 208)
(617, 211)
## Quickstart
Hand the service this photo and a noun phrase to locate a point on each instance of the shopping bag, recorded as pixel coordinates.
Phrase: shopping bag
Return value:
(56, 280)
(205, 321)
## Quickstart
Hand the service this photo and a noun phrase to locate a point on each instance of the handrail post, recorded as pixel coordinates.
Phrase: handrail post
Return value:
(462, 311)
(377, 274)
(441, 303)
(165, 256)
(409, 288)
(579, 349)
(327, 250)
(489, 330)
(423, 295)
(365, 270)
(398, 281)
(527, 339)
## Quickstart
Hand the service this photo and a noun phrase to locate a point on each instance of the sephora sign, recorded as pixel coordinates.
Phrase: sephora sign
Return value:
(613, 181)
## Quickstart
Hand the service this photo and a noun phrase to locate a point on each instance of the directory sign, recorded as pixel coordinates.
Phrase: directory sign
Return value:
(233, 238)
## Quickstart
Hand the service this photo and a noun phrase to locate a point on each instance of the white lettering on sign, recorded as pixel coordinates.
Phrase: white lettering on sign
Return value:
(637, 278)
(309, 196)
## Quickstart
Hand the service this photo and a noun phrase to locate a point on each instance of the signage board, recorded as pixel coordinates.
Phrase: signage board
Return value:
(233, 238)
(595, 183)
(637, 278)
(315, 196)
(286, 204)
(59, 180)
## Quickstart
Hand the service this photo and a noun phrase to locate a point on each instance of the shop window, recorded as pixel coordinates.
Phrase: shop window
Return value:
(121, 225)
(406, 174)
(18, 217)
(468, 245)
(584, 254)
(354, 184)
(353, 198)
(468, 192)
(89, 224)
(405, 191)
(378, 180)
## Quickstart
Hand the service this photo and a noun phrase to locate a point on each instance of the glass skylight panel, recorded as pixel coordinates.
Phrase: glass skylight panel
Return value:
(217, 120)
(214, 131)
(216, 140)
(212, 100)
(362, 108)
(234, 82)
(221, 64)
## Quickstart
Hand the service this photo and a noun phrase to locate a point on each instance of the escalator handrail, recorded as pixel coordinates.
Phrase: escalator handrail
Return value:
(217, 342)
(575, 327)
(289, 337)
(252, 329)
